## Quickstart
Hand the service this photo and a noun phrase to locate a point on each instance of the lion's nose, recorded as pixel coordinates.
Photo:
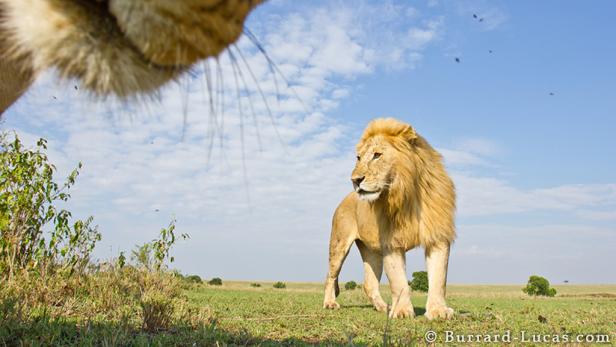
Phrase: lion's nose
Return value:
(357, 181)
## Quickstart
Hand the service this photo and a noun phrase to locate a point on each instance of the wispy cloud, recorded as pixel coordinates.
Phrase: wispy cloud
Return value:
(482, 194)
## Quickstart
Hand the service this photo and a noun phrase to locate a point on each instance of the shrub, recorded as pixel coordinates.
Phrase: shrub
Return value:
(152, 255)
(280, 285)
(350, 285)
(255, 285)
(215, 282)
(178, 274)
(193, 279)
(420, 281)
(538, 285)
(142, 256)
(28, 198)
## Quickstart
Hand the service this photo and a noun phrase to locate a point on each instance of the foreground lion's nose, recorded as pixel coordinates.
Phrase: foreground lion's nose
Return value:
(357, 181)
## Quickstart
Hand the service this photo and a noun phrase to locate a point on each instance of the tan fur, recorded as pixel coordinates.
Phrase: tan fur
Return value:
(122, 47)
(403, 198)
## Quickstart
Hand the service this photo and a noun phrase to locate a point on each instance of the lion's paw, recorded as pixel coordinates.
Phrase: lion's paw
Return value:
(331, 305)
(380, 306)
(402, 311)
(439, 312)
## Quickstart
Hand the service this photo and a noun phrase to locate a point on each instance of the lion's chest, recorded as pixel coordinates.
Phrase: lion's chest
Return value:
(377, 231)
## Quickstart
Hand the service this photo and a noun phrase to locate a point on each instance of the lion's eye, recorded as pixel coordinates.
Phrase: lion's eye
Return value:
(376, 156)
(358, 158)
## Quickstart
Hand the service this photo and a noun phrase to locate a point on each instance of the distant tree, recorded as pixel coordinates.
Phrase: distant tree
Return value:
(350, 285)
(194, 279)
(255, 285)
(215, 282)
(538, 285)
(566, 281)
(280, 285)
(420, 281)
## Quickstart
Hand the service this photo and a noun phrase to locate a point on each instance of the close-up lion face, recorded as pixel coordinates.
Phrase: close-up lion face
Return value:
(114, 47)
(373, 171)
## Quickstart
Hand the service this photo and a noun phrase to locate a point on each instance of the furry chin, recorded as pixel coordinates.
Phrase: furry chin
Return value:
(369, 196)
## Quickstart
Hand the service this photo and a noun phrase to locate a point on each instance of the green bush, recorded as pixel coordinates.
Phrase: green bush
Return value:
(215, 282)
(255, 285)
(350, 285)
(420, 281)
(194, 279)
(28, 209)
(152, 255)
(540, 286)
(280, 285)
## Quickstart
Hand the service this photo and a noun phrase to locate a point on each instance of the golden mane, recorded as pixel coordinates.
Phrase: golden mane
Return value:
(421, 199)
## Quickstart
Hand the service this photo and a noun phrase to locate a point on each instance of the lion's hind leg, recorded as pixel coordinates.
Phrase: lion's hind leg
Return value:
(373, 269)
(437, 259)
(344, 232)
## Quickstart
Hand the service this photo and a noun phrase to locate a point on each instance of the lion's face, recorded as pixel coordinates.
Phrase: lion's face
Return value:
(122, 47)
(373, 171)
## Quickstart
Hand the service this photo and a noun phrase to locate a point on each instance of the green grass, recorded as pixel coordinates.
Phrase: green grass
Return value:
(294, 315)
(237, 313)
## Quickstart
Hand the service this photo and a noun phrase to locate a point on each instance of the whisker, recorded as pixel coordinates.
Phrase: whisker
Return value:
(221, 99)
(239, 102)
(184, 94)
(213, 119)
(275, 67)
(252, 110)
(270, 63)
(269, 111)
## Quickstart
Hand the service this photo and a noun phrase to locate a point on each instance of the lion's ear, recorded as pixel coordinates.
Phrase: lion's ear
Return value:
(409, 134)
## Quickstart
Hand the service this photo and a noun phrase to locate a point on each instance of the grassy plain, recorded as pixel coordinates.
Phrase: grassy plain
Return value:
(238, 313)
(265, 315)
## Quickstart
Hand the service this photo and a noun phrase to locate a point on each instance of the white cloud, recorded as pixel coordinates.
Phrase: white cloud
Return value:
(485, 196)
(480, 194)
(598, 215)
(457, 158)
(479, 146)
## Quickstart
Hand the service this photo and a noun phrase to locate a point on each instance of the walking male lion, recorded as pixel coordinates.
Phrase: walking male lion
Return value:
(403, 198)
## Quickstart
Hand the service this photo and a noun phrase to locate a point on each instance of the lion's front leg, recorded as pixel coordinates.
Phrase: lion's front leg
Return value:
(373, 269)
(395, 268)
(437, 260)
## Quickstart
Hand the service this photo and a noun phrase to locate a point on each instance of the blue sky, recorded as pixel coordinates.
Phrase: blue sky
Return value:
(534, 171)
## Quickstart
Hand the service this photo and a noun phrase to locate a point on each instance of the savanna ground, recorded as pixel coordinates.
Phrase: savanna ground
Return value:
(109, 309)
(294, 315)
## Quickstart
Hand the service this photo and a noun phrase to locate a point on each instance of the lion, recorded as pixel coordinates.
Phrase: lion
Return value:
(122, 47)
(402, 198)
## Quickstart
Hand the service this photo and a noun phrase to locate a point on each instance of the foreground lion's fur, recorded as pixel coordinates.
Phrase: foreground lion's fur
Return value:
(122, 47)
(403, 198)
